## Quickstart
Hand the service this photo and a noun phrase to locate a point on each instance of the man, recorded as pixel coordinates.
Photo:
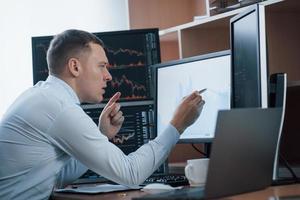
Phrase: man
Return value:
(47, 140)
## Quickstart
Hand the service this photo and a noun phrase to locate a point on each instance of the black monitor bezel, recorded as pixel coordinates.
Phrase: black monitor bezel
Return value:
(182, 61)
(252, 9)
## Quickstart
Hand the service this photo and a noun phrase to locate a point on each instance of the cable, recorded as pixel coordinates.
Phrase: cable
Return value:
(288, 166)
(203, 153)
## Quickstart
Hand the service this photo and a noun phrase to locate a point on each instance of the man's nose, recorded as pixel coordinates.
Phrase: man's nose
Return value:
(108, 76)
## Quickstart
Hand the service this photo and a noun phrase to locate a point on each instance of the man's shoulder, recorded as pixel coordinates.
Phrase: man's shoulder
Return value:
(38, 100)
(44, 98)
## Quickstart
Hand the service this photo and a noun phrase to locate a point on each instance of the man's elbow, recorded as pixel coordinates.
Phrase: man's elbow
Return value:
(133, 182)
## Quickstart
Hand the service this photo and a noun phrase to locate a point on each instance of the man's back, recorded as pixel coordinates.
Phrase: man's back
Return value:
(29, 156)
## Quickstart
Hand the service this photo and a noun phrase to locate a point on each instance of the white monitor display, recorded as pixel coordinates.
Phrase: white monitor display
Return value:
(174, 80)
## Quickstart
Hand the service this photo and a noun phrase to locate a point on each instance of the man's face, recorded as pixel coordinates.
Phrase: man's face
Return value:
(94, 75)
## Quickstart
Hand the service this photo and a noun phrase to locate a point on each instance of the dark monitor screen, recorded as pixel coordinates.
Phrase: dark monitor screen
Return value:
(176, 79)
(249, 81)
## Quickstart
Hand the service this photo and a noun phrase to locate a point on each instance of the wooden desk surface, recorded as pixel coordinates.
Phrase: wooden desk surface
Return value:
(271, 193)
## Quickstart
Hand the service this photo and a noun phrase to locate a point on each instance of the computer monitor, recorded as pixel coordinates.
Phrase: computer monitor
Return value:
(249, 59)
(176, 79)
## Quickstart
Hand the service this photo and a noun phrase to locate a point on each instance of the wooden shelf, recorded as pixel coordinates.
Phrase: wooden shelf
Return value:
(202, 21)
(200, 36)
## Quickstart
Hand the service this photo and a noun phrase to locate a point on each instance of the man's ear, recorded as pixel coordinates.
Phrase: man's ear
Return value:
(74, 66)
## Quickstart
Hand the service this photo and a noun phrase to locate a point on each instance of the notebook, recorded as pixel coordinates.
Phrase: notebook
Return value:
(242, 156)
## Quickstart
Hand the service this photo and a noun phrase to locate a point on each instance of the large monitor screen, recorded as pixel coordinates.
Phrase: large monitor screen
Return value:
(175, 80)
(249, 71)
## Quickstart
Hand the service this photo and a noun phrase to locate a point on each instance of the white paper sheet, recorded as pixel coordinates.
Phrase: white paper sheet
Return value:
(95, 189)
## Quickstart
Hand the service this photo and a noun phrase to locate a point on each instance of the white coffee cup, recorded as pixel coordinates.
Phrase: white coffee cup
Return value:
(196, 171)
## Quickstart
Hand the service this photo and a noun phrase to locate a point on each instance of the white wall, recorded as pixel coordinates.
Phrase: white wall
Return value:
(22, 19)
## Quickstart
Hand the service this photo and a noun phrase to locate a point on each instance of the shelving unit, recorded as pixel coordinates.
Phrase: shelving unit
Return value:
(282, 32)
(181, 40)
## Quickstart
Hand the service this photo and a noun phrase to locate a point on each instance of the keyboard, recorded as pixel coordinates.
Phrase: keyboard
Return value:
(170, 179)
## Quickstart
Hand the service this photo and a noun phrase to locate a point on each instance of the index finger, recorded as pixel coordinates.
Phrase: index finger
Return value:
(191, 96)
(114, 98)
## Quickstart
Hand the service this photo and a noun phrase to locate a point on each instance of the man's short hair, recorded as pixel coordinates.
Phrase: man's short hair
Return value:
(68, 44)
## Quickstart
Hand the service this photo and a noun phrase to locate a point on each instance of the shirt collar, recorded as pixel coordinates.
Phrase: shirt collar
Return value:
(64, 85)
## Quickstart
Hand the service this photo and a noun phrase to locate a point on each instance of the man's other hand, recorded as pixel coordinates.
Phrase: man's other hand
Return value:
(111, 118)
(187, 112)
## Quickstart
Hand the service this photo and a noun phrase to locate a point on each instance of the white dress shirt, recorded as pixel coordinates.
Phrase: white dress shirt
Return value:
(45, 136)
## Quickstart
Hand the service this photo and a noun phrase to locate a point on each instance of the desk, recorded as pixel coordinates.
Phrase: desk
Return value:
(266, 194)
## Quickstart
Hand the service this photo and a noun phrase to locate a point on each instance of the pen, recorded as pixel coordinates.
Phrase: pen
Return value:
(203, 90)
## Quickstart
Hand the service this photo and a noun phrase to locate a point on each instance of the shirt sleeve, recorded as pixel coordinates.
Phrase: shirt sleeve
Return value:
(72, 170)
(76, 134)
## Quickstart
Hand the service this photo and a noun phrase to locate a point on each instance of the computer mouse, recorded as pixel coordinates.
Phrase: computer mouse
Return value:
(158, 187)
